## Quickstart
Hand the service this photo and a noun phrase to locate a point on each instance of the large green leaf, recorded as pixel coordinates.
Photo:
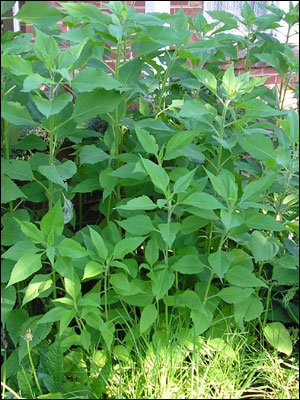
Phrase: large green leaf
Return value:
(278, 336)
(9, 190)
(234, 294)
(161, 282)
(177, 142)
(259, 146)
(137, 225)
(99, 101)
(17, 169)
(147, 141)
(126, 246)
(8, 299)
(99, 244)
(224, 184)
(53, 221)
(241, 276)
(16, 114)
(202, 200)
(26, 266)
(39, 13)
(91, 154)
(202, 320)
(51, 173)
(263, 248)
(262, 221)
(91, 78)
(188, 264)
(220, 262)
(158, 175)
(255, 189)
(51, 107)
(86, 12)
(70, 248)
(139, 203)
(148, 317)
(168, 232)
(70, 56)
(184, 182)
(17, 65)
(32, 232)
(46, 48)
(38, 285)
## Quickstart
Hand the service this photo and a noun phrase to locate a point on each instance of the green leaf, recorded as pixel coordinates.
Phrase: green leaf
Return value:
(188, 264)
(161, 281)
(177, 142)
(70, 248)
(87, 12)
(248, 13)
(120, 283)
(99, 244)
(234, 295)
(262, 221)
(86, 186)
(151, 252)
(34, 81)
(206, 78)
(92, 269)
(158, 175)
(53, 315)
(147, 141)
(91, 154)
(16, 65)
(85, 339)
(202, 200)
(53, 221)
(168, 232)
(89, 79)
(17, 169)
(70, 56)
(46, 49)
(220, 262)
(126, 246)
(31, 232)
(28, 264)
(9, 190)
(39, 14)
(38, 285)
(139, 203)
(18, 249)
(224, 184)
(6, 5)
(256, 188)
(184, 182)
(99, 101)
(229, 81)
(52, 107)
(231, 221)
(248, 310)
(259, 146)
(263, 248)
(25, 382)
(144, 108)
(196, 109)
(52, 174)
(202, 320)
(8, 299)
(137, 225)
(148, 317)
(16, 114)
(278, 336)
(241, 276)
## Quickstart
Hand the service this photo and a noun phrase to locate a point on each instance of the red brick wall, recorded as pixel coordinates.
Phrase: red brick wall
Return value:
(190, 7)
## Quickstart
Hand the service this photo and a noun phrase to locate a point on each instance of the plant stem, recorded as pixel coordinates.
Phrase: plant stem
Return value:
(164, 81)
(105, 291)
(221, 135)
(33, 369)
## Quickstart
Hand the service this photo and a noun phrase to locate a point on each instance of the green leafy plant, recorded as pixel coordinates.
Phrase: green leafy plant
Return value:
(166, 196)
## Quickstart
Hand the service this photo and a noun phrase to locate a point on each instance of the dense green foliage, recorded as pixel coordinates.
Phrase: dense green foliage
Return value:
(173, 215)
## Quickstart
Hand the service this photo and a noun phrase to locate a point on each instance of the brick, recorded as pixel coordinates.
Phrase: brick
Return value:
(270, 71)
(271, 80)
(139, 3)
(191, 12)
(195, 3)
(256, 71)
(179, 3)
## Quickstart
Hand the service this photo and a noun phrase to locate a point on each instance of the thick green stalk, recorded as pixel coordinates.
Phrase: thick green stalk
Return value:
(164, 81)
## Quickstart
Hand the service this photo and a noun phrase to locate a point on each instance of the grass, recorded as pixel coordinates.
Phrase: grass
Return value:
(202, 371)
